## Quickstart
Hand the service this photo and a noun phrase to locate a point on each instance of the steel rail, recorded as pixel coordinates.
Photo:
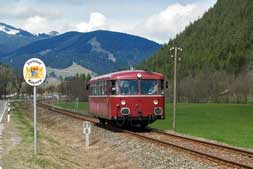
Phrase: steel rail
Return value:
(242, 151)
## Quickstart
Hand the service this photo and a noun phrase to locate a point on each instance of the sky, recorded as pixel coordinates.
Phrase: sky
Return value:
(158, 20)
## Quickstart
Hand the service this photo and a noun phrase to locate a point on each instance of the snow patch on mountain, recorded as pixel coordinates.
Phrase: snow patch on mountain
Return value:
(9, 30)
(44, 52)
(96, 46)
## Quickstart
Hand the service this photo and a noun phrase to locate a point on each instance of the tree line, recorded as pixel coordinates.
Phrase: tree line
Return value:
(12, 85)
(75, 87)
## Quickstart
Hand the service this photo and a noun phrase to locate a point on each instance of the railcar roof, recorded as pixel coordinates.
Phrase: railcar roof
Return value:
(129, 74)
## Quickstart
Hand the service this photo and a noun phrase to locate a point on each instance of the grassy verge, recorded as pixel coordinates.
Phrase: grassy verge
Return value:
(60, 143)
(228, 123)
(18, 143)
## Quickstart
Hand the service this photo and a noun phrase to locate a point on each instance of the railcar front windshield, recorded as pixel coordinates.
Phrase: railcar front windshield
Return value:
(149, 87)
(128, 87)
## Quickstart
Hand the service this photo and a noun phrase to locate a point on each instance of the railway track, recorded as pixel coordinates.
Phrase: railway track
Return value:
(235, 157)
(227, 155)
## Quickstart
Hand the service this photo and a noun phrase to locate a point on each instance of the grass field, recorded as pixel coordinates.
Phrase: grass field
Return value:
(228, 123)
(82, 106)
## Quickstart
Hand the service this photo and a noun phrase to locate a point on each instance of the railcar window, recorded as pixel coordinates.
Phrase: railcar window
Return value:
(162, 86)
(99, 88)
(95, 89)
(103, 88)
(129, 87)
(114, 87)
(91, 89)
(149, 87)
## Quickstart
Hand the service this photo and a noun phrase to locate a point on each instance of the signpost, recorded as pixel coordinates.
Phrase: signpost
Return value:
(86, 132)
(34, 73)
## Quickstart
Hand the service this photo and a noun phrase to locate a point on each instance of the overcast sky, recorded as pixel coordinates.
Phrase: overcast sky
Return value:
(158, 20)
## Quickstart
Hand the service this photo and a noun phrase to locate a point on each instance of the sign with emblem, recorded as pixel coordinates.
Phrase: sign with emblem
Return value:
(34, 72)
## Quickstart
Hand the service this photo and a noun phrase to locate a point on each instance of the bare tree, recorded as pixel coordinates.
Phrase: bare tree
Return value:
(5, 78)
(17, 81)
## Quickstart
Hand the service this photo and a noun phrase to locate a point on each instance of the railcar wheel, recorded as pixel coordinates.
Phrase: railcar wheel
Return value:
(120, 122)
(143, 125)
(102, 121)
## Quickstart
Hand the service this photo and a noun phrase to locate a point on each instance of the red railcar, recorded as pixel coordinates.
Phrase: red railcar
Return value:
(127, 97)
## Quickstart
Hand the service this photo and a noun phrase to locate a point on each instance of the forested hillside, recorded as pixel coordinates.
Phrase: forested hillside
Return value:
(217, 50)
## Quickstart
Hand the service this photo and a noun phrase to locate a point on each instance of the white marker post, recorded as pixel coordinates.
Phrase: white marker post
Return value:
(86, 132)
(8, 116)
(34, 73)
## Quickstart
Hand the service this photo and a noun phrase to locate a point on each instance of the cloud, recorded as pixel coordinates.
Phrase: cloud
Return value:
(37, 24)
(68, 15)
(24, 9)
(96, 21)
(170, 21)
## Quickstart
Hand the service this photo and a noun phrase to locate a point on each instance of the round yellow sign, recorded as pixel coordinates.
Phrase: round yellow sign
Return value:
(34, 72)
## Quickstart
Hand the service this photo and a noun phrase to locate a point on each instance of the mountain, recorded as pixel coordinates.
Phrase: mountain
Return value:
(53, 33)
(222, 40)
(54, 76)
(14, 31)
(99, 51)
(48, 35)
(12, 38)
(68, 72)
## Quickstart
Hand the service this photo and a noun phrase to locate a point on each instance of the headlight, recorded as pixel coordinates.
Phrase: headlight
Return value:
(125, 111)
(123, 102)
(158, 111)
(155, 102)
(139, 75)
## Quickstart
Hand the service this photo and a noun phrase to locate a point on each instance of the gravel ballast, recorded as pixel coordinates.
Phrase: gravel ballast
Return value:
(147, 155)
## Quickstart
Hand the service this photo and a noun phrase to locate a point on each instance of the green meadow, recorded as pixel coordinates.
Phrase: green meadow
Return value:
(228, 123)
(81, 106)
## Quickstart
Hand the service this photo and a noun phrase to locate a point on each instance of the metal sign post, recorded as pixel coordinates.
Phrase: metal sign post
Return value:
(35, 119)
(34, 73)
(86, 132)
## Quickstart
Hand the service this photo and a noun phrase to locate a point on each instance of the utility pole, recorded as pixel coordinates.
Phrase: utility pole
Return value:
(176, 49)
